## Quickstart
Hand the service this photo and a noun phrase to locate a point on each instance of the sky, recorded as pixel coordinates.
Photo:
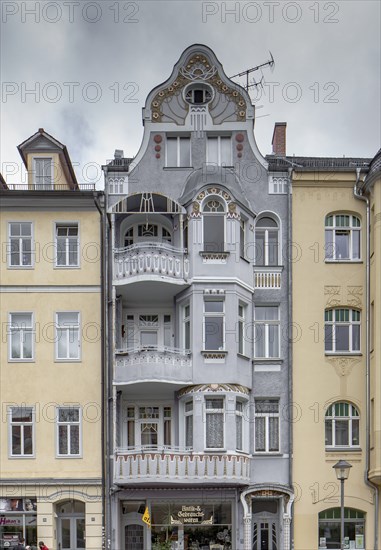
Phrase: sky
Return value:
(82, 71)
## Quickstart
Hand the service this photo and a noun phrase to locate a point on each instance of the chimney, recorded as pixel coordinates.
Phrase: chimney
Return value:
(279, 139)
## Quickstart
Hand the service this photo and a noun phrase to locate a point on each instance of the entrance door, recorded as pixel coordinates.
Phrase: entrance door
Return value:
(265, 536)
(71, 533)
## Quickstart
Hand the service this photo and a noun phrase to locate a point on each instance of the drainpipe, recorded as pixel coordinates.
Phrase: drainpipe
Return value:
(358, 193)
(290, 345)
(99, 203)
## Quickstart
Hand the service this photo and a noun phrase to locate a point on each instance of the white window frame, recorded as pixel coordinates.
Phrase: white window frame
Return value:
(351, 324)
(240, 406)
(135, 325)
(178, 152)
(214, 314)
(215, 213)
(265, 231)
(331, 250)
(67, 329)
(266, 416)
(21, 424)
(69, 424)
(266, 333)
(21, 330)
(186, 326)
(242, 314)
(220, 161)
(216, 411)
(188, 414)
(159, 421)
(278, 184)
(67, 265)
(43, 186)
(20, 243)
(353, 415)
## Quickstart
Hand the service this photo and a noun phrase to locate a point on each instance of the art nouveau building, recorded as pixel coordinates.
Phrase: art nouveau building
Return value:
(50, 374)
(336, 354)
(198, 294)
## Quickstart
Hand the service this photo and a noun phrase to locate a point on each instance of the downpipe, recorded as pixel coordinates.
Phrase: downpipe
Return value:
(359, 195)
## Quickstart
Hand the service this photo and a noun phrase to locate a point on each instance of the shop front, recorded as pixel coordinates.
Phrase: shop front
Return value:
(183, 523)
(18, 520)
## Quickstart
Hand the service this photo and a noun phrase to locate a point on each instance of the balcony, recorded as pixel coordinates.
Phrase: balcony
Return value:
(267, 277)
(150, 261)
(154, 363)
(173, 465)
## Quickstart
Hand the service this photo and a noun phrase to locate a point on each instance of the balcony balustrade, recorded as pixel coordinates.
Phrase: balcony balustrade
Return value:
(173, 465)
(267, 278)
(151, 258)
(164, 363)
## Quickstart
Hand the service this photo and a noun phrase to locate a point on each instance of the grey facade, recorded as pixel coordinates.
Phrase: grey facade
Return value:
(199, 324)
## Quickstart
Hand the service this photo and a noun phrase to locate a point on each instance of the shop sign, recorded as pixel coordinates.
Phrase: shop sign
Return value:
(191, 515)
(18, 505)
(11, 520)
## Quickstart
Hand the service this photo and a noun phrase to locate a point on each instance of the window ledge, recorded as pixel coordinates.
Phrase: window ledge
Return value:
(177, 168)
(17, 267)
(267, 453)
(346, 261)
(343, 449)
(268, 268)
(343, 353)
(68, 360)
(214, 255)
(21, 360)
(243, 356)
(275, 360)
(67, 267)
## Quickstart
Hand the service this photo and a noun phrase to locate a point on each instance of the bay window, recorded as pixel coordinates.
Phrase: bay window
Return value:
(214, 325)
(214, 422)
(214, 226)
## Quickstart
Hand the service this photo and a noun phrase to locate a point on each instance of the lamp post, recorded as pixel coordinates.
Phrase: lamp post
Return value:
(342, 472)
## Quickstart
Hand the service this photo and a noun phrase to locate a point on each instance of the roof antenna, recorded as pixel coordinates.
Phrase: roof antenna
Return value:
(249, 84)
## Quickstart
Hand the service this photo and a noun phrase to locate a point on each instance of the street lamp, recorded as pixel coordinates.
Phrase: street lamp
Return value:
(342, 473)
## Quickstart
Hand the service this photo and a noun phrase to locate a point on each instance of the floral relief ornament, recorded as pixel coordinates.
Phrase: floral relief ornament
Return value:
(343, 365)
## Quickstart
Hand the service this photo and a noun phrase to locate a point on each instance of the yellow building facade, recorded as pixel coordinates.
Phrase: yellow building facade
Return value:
(51, 355)
(336, 351)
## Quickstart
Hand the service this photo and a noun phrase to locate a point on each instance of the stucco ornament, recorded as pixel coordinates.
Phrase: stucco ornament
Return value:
(343, 365)
(354, 294)
(333, 294)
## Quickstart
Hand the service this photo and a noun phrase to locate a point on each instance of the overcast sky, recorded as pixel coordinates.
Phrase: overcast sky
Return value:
(92, 64)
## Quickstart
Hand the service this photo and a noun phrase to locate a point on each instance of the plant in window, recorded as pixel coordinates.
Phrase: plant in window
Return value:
(342, 237)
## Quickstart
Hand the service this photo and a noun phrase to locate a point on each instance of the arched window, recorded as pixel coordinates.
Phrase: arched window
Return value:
(214, 226)
(342, 330)
(266, 241)
(342, 425)
(329, 528)
(342, 237)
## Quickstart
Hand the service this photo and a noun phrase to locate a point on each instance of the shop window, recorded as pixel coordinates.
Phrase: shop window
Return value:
(329, 529)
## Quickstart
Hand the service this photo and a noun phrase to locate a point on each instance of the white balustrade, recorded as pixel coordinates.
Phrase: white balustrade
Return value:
(151, 258)
(267, 279)
(174, 465)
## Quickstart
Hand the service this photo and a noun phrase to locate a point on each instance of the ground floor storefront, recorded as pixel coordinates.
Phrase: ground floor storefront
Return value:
(204, 518)
(64, 516)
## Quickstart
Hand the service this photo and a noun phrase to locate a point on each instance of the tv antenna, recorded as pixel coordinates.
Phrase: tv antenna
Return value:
(249, 84)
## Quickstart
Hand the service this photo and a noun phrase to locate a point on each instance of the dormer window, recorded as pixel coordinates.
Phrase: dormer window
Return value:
(43, 173)
(198, 94)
